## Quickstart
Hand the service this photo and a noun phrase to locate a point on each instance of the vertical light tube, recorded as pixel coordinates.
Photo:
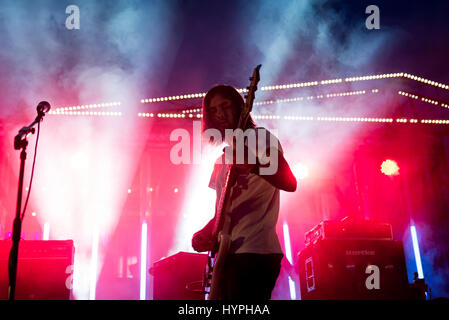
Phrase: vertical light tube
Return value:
(288, 253)
(416, 250)
(46, 234)
(288, 249)
(94, 261)
(291, 285)
(143, 262)
(120, 267)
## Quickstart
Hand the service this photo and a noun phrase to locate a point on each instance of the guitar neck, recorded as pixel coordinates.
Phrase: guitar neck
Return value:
(224, 200)
(225, 196)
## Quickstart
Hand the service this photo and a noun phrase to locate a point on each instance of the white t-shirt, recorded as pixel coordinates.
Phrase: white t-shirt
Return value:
(254, 208)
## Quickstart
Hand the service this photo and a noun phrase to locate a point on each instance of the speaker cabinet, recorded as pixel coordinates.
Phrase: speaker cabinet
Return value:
(178, 276)
(44, 270)
(353, 270)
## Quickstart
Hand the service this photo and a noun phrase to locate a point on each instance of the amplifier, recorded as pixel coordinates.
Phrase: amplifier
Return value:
(353, 270)
(349, 230)
(179, 277)
(44, 270)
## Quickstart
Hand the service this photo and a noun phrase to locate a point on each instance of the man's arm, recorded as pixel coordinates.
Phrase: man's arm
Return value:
(283, 178)
(202, 240)
(271, 165)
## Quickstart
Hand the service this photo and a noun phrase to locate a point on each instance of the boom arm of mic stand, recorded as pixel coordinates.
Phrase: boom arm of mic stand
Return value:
(20, 139)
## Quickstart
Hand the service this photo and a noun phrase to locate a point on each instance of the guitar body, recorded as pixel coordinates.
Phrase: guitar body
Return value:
(222, 227)
(216, 258)
(218, 267)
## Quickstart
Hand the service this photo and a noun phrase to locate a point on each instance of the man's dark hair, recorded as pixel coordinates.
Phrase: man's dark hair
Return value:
(229, 92)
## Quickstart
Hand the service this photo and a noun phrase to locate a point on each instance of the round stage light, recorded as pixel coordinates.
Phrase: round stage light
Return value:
(389, 167)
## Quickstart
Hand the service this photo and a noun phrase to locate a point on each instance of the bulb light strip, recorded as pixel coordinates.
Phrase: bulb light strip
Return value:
(434, 121)
(354, 119)
(85, 107)
(374, 77)
(191, 110)
(86, 113)
(330, 95)
(145, 115)
(424, 99)
(174, 98)
(321, 96)
(304, 118)
(310, 84)
(426, 81)
(171, 115)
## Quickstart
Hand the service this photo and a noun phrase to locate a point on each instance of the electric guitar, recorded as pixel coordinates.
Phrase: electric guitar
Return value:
(222, 225)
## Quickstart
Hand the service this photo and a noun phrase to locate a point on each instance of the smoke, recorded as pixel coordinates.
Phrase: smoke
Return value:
(84, 165)
(300, 41)
(120, 42)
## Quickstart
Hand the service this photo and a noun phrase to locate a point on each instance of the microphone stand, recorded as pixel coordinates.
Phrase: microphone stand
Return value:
(20, 142)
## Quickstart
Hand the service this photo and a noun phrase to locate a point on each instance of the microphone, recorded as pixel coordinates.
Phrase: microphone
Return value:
(20, 139)
(43, 106)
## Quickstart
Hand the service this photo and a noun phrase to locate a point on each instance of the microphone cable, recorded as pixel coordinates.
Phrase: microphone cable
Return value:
(32, 171)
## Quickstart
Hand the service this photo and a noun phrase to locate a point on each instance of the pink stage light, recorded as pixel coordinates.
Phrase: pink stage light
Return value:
(389, 168)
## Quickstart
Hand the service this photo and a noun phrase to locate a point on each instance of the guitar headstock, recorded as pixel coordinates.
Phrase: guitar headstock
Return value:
(250, 95)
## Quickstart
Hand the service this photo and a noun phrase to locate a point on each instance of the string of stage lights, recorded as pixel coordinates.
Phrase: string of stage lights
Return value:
(304, 118)
(193, 113)
(74, 110)
(423, 99)
(87, 113)
(309, 84)
(85, 107)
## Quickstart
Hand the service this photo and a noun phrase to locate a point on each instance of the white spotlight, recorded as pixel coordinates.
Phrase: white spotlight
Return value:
(300, 171)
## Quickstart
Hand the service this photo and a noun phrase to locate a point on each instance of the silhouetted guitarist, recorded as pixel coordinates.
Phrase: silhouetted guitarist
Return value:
(254, 255)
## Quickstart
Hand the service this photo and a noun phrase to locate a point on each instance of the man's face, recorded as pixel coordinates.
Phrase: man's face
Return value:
(222, 112)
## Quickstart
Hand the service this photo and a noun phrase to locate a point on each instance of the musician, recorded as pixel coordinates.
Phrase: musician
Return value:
(254, 260)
